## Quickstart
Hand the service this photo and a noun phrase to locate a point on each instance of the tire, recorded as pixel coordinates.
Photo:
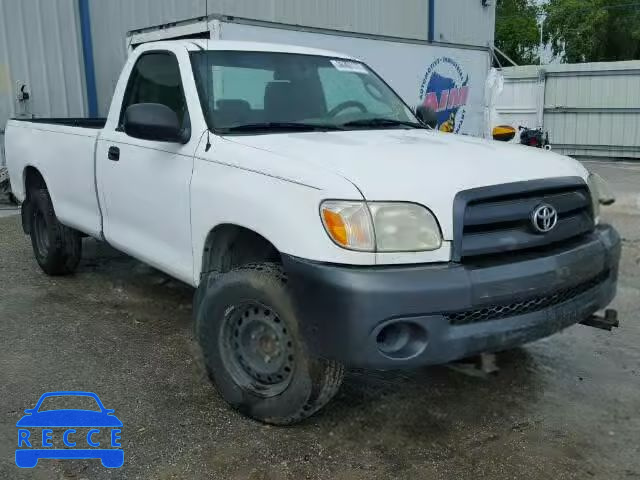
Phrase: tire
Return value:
(244, 320)
(57, 248)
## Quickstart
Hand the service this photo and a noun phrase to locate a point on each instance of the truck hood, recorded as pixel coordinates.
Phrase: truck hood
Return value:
(419, 166)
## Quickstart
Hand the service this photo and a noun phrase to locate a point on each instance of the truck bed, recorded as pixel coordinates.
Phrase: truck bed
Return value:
(97, 123)
(63, 151)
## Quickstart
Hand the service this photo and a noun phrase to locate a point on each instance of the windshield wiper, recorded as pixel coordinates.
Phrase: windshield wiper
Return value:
(381, 123)
(281, 126)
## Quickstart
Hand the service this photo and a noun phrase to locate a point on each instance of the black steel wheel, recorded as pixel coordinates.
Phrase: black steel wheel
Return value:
(57, 248)
(40, 234)
(249, 333)
(257, 349)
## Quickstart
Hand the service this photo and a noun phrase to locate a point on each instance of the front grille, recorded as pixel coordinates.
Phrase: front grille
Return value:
(497, 312)
(498, 219)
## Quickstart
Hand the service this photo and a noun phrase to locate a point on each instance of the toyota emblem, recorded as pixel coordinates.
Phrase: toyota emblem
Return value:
(544, 218)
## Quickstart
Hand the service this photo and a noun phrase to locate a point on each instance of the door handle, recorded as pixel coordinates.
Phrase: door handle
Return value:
(114, 154)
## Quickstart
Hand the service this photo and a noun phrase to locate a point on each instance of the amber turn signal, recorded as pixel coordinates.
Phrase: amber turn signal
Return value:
(336, 227)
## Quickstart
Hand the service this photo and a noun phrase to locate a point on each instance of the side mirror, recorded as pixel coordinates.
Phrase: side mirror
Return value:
(427, 116)
(153, 121)
(504, 133)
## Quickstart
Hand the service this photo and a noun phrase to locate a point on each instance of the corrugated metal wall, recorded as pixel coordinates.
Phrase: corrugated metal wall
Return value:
(110, 22)
(589, 109)
(518, 103)
(465, 21)
(401, 18)
(40, 47)
(112, 19)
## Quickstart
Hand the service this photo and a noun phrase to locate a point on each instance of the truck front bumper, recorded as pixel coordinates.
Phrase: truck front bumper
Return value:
(407, 316)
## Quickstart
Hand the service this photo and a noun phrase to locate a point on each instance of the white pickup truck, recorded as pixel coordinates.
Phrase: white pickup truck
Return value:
(322, 223)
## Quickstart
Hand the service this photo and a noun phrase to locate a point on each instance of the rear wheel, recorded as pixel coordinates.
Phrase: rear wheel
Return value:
(57, 248)
(253, 350)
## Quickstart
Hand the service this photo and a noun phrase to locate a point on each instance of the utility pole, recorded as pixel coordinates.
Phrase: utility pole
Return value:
(541, 40)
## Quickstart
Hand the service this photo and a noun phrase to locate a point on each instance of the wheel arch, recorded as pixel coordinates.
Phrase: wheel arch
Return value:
(32, 178)
(228, 246)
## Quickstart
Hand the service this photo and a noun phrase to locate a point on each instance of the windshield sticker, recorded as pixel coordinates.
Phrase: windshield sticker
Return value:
(349, 66)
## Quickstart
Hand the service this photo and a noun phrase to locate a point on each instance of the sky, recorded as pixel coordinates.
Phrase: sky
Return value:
(547, 54)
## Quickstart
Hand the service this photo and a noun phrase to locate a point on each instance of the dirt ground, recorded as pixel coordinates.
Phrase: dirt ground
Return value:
(563, 408)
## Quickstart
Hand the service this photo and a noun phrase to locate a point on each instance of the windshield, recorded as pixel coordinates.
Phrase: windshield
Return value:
(257, 91)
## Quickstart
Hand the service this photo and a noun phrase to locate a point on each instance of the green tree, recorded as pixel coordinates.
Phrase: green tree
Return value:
(593, 30)
(517, 30)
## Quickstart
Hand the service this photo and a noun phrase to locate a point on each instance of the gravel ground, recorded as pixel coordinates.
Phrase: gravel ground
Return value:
(564, 407)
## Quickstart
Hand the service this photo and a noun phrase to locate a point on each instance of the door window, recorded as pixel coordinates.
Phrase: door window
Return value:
(155, 78)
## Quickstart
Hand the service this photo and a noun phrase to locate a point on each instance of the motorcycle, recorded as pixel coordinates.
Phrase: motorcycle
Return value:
(536, 138)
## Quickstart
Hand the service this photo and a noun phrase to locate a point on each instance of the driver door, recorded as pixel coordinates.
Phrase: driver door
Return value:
(145, 184)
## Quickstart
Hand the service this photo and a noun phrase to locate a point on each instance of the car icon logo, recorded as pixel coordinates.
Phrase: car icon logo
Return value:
(544, 218)
(69, 433)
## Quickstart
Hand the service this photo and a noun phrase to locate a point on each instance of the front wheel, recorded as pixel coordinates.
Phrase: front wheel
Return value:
(253, 350)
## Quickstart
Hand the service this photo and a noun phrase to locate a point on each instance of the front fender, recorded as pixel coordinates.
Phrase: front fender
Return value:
(285, 212)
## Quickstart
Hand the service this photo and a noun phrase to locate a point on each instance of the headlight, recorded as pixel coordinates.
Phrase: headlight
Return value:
(404, 227)
(381, 226)
(594, 188)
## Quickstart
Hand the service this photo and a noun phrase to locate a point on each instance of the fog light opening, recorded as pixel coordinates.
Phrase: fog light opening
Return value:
(402, 340)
